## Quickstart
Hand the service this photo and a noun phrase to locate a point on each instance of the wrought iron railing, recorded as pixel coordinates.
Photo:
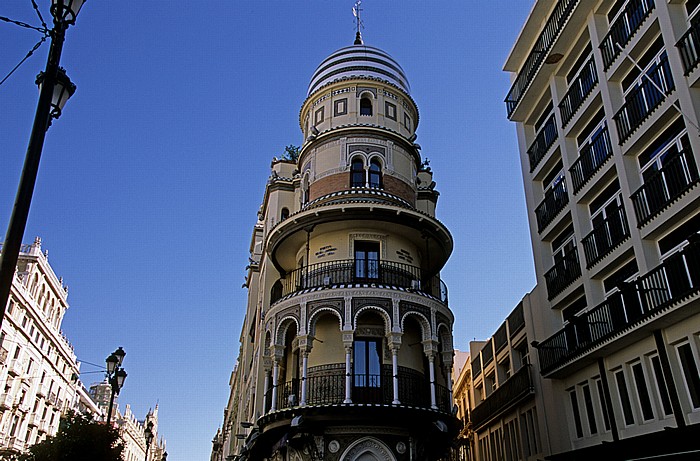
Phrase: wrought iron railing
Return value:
(604, 237)
(349, 271)
(578, 91)
(644, 99)
(689, 47)
(505, 396)
(592, 156)
(678, 175)
(564, 273)
(555, 200)
(677, 278)
(624, 27)
(552, 29)
(543, 141)
(487, 353)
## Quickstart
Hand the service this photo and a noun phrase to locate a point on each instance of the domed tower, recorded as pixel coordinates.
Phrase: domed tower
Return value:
(347, 350)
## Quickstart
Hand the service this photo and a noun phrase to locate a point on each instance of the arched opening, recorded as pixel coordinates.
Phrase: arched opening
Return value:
(289, 390)
(357, 173)
(276, 291)
(371, 377)
(284, 214)
(365, 106)
(375, 174)
(368, 449)
(414, 374)
(325, 375)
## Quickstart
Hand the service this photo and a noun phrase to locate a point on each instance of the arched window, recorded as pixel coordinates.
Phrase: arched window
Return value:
(284, 214)
(365, 106)
(375, 174)
(357, 173)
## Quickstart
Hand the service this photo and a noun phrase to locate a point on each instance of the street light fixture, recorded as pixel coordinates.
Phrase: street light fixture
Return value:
(115, 376)
(165, 456)
(54, 90)
(148, 435)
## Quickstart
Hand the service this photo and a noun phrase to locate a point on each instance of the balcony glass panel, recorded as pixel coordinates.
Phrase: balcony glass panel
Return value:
(543, 141)
(566, 269)
(605, 236)
(592, 156)
(623, 27)
(578, 91)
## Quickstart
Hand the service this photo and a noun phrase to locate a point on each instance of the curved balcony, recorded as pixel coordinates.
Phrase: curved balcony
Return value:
(348, 272)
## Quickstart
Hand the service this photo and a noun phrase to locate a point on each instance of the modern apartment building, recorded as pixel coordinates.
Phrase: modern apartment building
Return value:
(605, 98)
(346, 349)
(39, 372)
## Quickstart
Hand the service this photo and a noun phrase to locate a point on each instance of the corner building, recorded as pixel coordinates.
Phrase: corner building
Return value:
(606, 98)
(346, 350)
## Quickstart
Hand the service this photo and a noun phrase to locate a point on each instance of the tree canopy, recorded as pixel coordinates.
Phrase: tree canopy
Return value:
(291, 152)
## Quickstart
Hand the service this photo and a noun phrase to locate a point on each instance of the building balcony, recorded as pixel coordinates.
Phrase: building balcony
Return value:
(326, 386)
(52, 398)
(689, 48)
(555, 200)
(543, 141)
(638, 302)
(623, 28)
(578, 91)
(14, 367)
(605, 237)
(3, 355)
(552, 29)
(511, 392)
(564, 273)
(591, 158)
(350, 272)
(33, 420)
(678, 175)
(6, 401)
(644, 99)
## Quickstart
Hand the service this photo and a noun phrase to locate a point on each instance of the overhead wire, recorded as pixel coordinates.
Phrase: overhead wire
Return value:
(38, 13)
(31, 52)
(44, 31)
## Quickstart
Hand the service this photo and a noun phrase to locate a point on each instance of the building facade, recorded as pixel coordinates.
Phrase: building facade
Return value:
(463, 449)
(605, 96)
(39, 373)
(346, 348)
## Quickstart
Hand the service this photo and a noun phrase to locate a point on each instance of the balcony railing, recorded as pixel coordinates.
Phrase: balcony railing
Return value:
(624, 27)
(516, 320)
(593, 155)
(539, 52)
(578, 91)
(476, 366)
(555, 199)
(689, 47)
(3, 355)
(605, 237)
(644, 99)
(505, 396)
(349, 271)
(677, 278)
(543, 141)
(327, 386)
(563, 274)
(678, 175)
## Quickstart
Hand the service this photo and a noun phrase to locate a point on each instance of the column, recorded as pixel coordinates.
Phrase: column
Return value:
(348, 374)
(275, 379)
(267, 389)
(304, 367)
(431, 364)
(449, 384)
(395, 374)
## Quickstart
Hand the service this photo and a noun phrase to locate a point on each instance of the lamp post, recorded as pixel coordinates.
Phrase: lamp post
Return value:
(54, 90)
(115, 376)
(148, 435)
(165, 456)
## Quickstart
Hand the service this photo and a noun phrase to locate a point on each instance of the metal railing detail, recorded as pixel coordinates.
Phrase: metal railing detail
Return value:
(689, 48)
(563, 274)
(591, 158)
(605, 237)
(624, 27)
(578, 91)
(555, 199)
(506, 395)
(543, 141)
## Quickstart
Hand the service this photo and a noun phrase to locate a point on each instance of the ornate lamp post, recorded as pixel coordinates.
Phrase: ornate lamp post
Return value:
(148, 434)
(115, 376)
(165, 456)
(54, 90)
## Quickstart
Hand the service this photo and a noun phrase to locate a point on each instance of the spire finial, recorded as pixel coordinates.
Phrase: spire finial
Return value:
(357, 12)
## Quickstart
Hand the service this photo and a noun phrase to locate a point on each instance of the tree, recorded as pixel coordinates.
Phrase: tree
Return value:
(291, 152)
(79, 438)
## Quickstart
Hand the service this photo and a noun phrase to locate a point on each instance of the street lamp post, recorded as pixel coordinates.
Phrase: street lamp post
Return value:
(54, 90)
(165, 456)
(115, 376)
(148, 434)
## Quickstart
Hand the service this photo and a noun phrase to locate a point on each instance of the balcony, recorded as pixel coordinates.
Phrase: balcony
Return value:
(555, 199)
(52, 398)
(543, 141)
(3, 355)
(504, 397)
(605, 237)
(6, 401)
(565, 271)
(644, 99)
(516, 320)
(540, 49)
(14, 367)
(676, 279)
(326, 386)
(578, 91)
(350, 272)
(678, 175)
(689, 48)
(591, 158)
(623, 28)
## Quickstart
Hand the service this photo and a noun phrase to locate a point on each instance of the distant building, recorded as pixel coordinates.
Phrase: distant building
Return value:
(462, 383)
(39, 373)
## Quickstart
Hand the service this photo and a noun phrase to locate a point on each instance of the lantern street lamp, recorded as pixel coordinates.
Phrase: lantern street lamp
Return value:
(148, 435)
(54, 90)
(165, 456)
(115, 376)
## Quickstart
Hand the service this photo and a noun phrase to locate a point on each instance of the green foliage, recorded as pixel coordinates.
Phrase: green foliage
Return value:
(79, 438)
(291, 152)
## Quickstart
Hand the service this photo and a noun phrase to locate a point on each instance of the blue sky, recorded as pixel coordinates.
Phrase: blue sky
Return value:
(150, 182)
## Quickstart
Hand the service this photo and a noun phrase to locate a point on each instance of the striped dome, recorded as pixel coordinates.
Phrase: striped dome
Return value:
(359, 61)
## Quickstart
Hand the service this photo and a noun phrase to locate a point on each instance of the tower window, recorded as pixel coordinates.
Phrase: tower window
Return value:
(367, 370)
(365, 106)
(357, 173)
(284, 214)
(375, 174)
(366, 261)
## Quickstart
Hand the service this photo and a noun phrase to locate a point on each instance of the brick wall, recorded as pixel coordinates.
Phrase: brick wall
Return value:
(341, 181)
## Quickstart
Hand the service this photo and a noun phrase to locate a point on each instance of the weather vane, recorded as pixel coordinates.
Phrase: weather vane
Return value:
(357, 12)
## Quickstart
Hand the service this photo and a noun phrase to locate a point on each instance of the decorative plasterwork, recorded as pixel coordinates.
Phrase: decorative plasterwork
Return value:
(368, 445)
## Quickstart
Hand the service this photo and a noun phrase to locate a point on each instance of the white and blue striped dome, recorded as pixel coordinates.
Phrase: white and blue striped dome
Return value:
(359, 61)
